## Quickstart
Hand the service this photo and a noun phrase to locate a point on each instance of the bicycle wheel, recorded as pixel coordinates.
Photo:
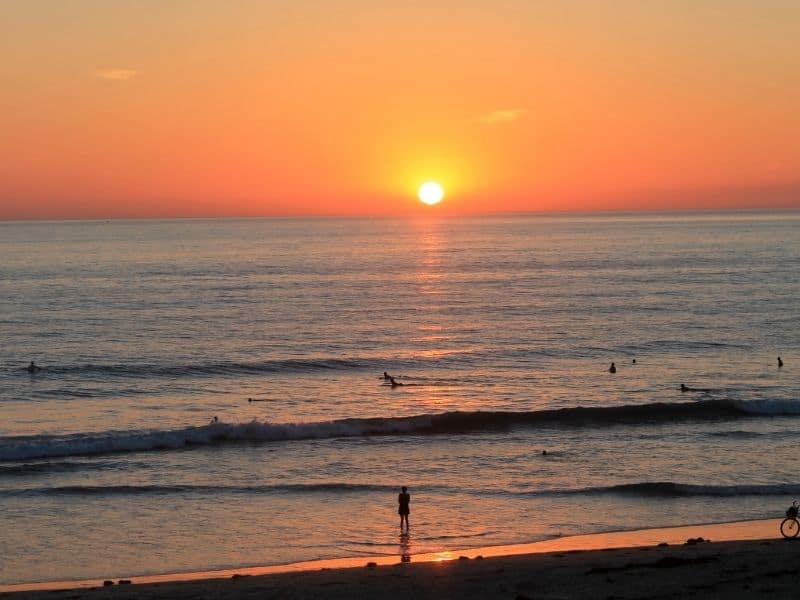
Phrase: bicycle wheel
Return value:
(790, 528)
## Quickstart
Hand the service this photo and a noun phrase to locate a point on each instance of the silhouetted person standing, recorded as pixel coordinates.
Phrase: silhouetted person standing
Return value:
(780, 362)
(612, 368)
(403, 501)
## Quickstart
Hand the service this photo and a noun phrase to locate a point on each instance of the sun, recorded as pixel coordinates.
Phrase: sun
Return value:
(430, 193)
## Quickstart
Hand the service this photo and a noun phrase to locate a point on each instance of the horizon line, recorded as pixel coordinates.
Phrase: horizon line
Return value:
(416, 215)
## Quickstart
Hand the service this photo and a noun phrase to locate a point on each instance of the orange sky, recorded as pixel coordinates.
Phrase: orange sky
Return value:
(199, 108)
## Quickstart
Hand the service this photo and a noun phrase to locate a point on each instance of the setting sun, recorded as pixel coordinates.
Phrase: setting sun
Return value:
(430, 193)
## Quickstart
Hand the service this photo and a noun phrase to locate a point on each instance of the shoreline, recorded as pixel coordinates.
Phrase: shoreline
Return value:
(732, 532)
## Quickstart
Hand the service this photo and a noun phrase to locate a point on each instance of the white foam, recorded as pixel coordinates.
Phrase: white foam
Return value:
(111, 442)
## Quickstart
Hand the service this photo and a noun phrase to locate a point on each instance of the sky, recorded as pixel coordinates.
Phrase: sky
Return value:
(344, 107)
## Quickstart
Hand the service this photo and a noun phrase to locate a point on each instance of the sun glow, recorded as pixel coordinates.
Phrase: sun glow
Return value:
(430, 193)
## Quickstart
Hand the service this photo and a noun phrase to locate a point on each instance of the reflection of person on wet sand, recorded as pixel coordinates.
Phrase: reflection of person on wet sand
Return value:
(405, 547)
(403, 509)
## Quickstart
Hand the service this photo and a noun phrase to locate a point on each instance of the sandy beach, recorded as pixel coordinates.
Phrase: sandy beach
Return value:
(616, 565)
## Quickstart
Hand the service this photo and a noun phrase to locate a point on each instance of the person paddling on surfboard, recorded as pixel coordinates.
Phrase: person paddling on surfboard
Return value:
(686, 388)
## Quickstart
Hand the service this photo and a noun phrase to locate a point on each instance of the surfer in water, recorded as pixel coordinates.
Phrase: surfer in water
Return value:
(612, 368)
(386, 376)
(685, 388)
(32, 368)
(780, 362)
(392, 382)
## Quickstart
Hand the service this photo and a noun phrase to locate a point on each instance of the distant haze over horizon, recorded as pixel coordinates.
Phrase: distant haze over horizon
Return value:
(699, 214)
(296, 108)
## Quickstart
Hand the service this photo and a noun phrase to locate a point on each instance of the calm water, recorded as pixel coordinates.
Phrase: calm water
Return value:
(147, 330)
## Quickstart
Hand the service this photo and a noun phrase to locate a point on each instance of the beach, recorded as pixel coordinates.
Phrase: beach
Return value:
(593, 566)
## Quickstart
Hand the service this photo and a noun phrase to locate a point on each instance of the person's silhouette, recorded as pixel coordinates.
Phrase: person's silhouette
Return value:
(612, 368)
(686, 388)
(33, 368)
(403, 509)
(392, 382)
(780, 362)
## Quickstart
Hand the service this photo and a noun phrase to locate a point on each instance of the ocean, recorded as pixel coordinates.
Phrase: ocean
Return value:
(501, 330)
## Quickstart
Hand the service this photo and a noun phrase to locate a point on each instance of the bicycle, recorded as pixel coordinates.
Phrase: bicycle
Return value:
(790, 526)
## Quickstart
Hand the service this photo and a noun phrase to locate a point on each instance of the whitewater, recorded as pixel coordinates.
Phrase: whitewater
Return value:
(218, 433)
(508, 426)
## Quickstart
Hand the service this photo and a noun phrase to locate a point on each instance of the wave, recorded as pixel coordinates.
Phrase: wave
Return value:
(647, 489)
(659, 346)
(162, 490)
(206, 369)
(668, 489)
(24, 469)
(37, 447)
(376, 363)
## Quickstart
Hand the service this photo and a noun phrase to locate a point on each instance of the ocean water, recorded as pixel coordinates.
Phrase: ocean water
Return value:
(501, 329)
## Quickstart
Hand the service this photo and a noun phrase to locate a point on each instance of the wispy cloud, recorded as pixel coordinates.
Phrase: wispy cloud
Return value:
(502, 116)
(116, 74)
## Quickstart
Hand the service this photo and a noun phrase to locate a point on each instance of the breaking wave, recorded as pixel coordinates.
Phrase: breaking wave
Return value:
(35, 447)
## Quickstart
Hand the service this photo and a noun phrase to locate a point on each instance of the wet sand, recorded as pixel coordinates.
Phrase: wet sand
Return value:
(615, 565)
